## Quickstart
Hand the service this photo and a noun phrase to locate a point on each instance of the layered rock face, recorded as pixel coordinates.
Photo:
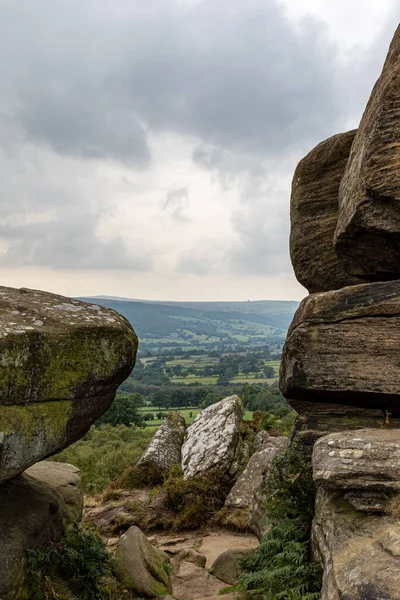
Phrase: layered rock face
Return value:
(343, 346)
(314, 210)
(340, 364)
(164, 450)
(212, 441)
(368, 230)
(62, 361)
(358, 475)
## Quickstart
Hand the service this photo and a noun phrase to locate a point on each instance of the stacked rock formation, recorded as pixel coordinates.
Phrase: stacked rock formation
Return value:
(61, 363)
(340, 364)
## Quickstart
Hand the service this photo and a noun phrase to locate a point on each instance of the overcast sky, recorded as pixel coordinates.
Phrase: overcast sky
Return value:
(147, 148)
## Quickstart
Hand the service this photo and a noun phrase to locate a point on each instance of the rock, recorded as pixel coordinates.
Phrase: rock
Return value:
(217, 542)
(191, 556)
(66, 479)
(62, 361)
(226, 565)
(193, 583)
(358, 551)
(212, 441)
(261, 440)
(142, 565)
(343, 347)
(366, 459)
(164, 450)
(316, 419)
(368, 228)
(314, 209)
(254, 475)
(32, 515)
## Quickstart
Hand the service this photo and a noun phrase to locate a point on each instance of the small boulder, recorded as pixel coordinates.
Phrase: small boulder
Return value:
(142, 565)
(212, 441)
(226, 565)
(66, 479)
(191, 556)
(164, 450)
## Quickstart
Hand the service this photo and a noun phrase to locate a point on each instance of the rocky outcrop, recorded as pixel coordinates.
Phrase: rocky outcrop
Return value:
(64, 478)
(32, 514)
(164, 450)
(62, 361)
(213, 440)
(343, 347)
(314, 209)
(251, 488)
(143, 567)
(357, 473)
(368, 229)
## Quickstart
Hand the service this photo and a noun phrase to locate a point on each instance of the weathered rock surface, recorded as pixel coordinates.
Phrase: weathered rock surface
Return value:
(142, 565)
(360, 552)
(212, 441)
(62, 361)
(193, 583)
(66, 479)
(256, 473)
(32, 514)
(316, 419)
(365, 459)
(164, 450)
(314, 209)
(226, 565)
(343, 347)
(368, 229)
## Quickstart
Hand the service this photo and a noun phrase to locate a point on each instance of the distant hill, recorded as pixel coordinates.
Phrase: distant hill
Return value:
(205, 325)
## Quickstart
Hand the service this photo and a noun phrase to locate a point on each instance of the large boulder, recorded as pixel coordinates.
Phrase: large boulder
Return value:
(359, 551)
(213, 440)
(164, 450)
(32, 514)
(226, 566)
(343, 347)
(62, 361)
(66, 479)
(314, 209)
(143, 567)
(368, 228)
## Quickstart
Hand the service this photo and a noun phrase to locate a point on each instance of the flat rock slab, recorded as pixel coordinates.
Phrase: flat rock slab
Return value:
(212, 440)
(164, 450)
(368, 229)
(220, 541)
(344, 346)
(314, 207)
(367, 459)
(62, 361)
(359, 552)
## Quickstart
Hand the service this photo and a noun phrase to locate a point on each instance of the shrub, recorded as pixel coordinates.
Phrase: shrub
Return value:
(280, 568)
(147, 475)
(77, 567)
(104, 453)
(196, 499)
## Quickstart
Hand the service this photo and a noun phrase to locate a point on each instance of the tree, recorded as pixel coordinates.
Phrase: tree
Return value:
(123, 411)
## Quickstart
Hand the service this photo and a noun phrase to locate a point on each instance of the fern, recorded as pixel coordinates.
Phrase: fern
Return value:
(280, 568)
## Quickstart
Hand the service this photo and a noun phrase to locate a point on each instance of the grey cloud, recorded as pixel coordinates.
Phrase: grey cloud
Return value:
(91, 79)
(68, 244)
(176, 204)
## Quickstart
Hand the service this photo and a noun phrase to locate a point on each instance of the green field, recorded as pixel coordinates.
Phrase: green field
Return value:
(185, 412)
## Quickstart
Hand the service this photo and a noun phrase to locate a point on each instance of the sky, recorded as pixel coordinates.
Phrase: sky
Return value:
(147, 148)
